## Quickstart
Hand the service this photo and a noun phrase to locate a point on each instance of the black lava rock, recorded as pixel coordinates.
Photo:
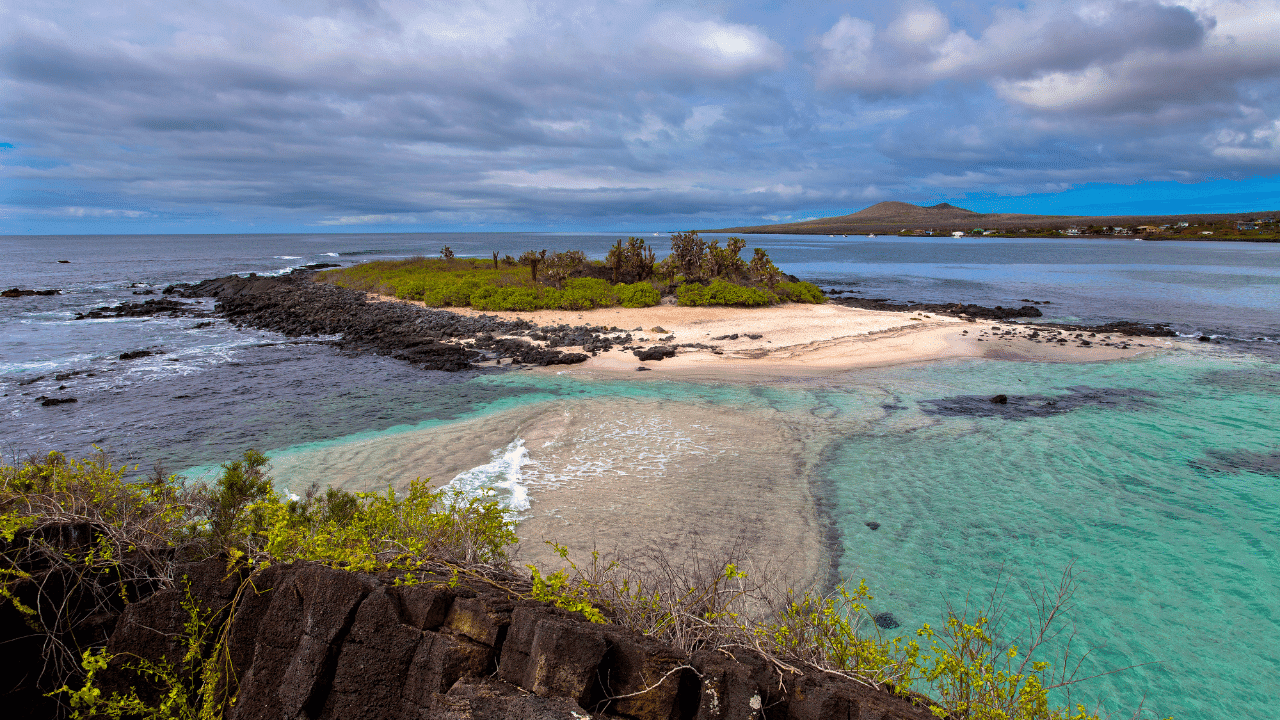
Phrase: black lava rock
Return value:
(886, 620)
(657, 352)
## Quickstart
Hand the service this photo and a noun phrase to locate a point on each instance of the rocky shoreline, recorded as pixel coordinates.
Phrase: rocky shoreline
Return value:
(304, 640)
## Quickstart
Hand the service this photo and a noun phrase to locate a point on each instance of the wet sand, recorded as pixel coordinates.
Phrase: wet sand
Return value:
(618, 475)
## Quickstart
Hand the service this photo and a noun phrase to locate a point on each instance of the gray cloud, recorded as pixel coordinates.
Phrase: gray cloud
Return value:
(383, 113)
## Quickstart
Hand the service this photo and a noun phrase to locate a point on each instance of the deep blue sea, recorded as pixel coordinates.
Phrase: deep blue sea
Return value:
(1157, 477)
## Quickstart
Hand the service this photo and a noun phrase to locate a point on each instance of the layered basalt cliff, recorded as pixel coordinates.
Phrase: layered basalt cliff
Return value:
(304, 640)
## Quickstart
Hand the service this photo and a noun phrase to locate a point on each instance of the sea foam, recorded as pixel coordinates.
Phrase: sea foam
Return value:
(502, 474)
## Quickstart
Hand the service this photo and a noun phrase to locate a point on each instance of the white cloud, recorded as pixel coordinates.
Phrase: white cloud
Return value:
(710, 47)
(383, 219)
(97, 212)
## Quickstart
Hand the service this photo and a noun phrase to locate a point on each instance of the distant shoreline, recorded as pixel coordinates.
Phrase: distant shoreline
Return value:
(897, 218)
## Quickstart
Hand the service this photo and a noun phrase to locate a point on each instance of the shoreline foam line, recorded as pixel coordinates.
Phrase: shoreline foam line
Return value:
(502, 473)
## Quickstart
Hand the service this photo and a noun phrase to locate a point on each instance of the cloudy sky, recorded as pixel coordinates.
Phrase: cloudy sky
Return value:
(387, 115)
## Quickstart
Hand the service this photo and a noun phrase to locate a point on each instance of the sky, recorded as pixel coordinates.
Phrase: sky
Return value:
(573, 115)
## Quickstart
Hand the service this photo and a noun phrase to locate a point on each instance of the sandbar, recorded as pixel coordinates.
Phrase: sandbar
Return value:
(803, 340)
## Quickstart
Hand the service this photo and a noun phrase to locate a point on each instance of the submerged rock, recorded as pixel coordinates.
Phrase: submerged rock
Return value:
(1021, 407)
(886, 620)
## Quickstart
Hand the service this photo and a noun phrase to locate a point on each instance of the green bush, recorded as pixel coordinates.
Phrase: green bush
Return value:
(720, 292)
(585, 294)
(638, 295)
(505, 299)
(799, 292)
(371, 531)
(578, 294)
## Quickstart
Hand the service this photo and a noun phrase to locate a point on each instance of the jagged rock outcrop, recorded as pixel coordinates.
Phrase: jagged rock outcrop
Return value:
(309, 641)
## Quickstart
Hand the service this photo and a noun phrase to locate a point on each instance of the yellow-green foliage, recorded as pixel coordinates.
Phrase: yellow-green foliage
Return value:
(473, 283)
(199, 687)
(436, 282)
(577, 294)
(59, 489)
(799, 292)
(377, 530)
(830, 631)
(719, 292)
(638, 294)
(479, 285)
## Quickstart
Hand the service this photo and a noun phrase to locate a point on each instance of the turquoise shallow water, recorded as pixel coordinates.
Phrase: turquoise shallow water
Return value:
(1175, 551)
(1156, 477)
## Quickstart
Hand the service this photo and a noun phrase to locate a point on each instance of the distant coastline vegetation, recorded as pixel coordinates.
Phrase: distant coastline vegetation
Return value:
(697, 272)
(899, 218)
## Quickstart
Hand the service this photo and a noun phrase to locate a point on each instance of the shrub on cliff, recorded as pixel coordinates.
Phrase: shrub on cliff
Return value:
(371, 531)
(80, 539)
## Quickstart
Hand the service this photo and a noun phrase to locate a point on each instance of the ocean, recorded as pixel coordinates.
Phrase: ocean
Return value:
(1157, 478)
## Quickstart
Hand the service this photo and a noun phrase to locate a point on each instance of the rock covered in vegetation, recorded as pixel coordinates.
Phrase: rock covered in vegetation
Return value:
(314, 642)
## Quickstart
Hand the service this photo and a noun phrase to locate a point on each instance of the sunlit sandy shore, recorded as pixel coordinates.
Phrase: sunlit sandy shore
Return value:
(798, 340)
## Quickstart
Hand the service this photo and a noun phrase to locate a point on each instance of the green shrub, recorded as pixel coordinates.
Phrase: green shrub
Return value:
(720, 292)
(370, 531)
(585, 294)
(799, 292)
(638, 295)
(505, 299)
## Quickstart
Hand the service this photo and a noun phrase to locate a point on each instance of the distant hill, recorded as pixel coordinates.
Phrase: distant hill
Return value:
(889, 216)
(893, 216)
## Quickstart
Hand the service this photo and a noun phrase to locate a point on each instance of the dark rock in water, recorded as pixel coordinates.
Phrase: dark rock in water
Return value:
(886, 620)
(1204, 338)
(1021, 407)
(872, 524)
(1120, 328)
(1238, 461)
(320, 266)
(50, 402)
(65, 262)
(641, 368)
(161, 306)
(19, 292)
(657, 352)
(972, 311)
(148, 291)
(136, 354)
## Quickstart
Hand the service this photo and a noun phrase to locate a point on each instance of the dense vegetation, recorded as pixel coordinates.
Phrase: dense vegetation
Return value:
(697, 272)
(140, 527)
